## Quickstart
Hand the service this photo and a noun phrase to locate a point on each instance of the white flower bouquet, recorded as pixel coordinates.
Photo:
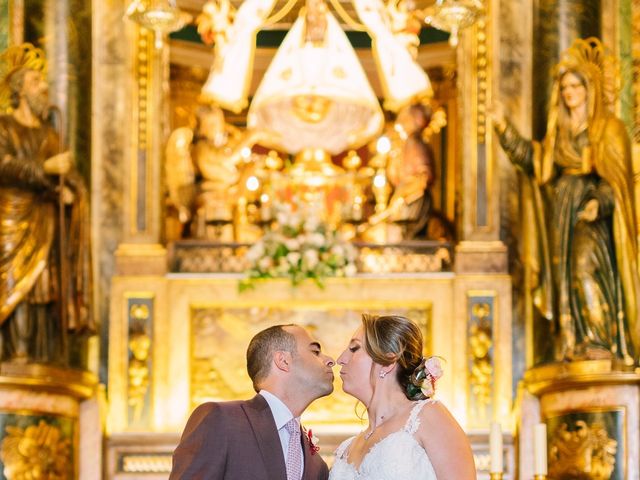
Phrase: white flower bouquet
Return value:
(299, 247)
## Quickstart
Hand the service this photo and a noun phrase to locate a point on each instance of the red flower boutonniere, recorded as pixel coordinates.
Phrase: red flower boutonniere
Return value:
(313, 441)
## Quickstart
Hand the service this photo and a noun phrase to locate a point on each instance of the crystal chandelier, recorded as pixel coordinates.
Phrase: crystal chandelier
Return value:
(161, 16)
(453, 15)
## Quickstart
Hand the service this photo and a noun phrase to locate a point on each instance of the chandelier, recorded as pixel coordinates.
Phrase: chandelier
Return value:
(161, 16)
(453, 16)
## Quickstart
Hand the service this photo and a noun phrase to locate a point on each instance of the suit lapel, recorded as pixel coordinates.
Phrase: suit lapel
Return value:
(264, 428)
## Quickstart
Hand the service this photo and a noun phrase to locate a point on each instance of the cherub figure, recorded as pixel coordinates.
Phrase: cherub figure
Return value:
(214, 22)
(404, 26)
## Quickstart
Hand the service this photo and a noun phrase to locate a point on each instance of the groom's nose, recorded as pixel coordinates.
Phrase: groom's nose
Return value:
(330, 362)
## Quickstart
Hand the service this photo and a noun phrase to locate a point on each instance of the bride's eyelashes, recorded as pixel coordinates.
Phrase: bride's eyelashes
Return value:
(354, 348)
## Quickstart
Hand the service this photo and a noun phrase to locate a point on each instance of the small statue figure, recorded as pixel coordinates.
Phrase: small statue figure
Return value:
(582, 245)
(45, 267)
(315, 21)
(202, 169)
(214, 23)
(411, 172)
(404, 25)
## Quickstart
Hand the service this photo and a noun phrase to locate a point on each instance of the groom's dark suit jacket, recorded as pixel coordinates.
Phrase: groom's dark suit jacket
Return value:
(237, 441)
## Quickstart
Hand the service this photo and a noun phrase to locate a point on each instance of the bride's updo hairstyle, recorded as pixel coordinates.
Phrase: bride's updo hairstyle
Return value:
(393, 338)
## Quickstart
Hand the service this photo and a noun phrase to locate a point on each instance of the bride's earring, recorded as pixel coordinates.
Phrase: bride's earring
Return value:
(382, 374)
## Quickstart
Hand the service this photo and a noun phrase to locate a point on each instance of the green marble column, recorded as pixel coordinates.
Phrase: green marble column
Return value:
(63, 29)
(5, 19)
(556, 24)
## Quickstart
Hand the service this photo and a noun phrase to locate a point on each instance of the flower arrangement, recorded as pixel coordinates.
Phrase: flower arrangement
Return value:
(313, 441)
(423, 380)
(300, 247)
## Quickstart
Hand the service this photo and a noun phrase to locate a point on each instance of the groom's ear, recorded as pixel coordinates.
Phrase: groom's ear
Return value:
(282, 360)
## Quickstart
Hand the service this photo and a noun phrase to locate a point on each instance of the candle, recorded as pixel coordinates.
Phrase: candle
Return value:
(495, 447)
(540, 449)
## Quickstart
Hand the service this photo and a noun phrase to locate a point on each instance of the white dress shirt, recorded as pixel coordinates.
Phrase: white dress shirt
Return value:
(281, 415)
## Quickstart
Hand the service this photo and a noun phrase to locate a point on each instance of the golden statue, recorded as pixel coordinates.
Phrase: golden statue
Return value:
(580, 243)
(45, 263)
(202, 169)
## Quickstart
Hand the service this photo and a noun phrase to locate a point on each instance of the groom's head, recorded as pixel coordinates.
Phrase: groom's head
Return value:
(287, 356)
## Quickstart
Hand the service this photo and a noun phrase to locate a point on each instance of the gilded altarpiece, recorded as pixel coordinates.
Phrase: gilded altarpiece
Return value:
(200, 324)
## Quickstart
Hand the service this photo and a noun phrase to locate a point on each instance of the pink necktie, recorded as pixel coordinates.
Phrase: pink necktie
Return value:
(294, 453)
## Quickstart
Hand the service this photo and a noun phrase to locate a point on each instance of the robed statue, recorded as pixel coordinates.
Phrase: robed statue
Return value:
(45, 262)
(580, 239)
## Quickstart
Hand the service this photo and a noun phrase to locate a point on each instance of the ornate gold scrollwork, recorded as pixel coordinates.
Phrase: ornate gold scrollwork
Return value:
(584, 453)
(38, 451)
(138, 370)
(480, 343)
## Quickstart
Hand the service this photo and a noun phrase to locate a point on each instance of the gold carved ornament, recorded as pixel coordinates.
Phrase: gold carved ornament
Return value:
(584, 453)
(38, 451)
(138, 370)
(480, 343)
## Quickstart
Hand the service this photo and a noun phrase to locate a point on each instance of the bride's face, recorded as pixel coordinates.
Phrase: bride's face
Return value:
(355, 370)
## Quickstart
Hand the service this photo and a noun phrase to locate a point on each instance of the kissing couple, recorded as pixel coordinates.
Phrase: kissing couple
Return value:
(409, 435)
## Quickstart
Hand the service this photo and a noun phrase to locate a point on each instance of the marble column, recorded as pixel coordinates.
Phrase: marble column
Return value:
(482, 284)
(140, 251)
(63, 29)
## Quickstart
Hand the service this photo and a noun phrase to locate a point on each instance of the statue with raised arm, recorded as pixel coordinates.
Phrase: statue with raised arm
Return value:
(38, 271)
(581, 244)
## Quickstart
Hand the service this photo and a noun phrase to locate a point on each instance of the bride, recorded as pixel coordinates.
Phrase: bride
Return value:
(409, 434)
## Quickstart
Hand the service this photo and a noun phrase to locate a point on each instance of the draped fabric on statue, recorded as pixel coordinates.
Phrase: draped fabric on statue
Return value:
(27, 228)
(25, 241)
(316, 94)
(29, 249)
(587, 270)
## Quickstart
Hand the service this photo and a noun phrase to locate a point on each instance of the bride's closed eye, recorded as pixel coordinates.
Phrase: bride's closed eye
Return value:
(354, 348)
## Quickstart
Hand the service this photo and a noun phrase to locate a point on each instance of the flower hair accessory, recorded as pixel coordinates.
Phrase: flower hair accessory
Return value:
(422, 383)
(313, 441)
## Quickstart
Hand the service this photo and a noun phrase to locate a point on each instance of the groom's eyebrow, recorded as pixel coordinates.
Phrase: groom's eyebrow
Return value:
(316, 345)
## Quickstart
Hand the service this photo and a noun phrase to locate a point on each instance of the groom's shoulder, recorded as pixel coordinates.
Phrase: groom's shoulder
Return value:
(229, 409)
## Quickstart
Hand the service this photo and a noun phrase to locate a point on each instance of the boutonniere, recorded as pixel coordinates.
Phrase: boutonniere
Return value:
(313, 441)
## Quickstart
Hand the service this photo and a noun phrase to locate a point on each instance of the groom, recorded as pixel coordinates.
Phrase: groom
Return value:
(261, 439)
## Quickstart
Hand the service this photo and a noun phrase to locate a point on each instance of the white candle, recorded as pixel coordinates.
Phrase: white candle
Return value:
(495, 447)
(540, 449)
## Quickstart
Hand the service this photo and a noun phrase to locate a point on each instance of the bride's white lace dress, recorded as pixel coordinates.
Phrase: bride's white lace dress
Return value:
(398, 456)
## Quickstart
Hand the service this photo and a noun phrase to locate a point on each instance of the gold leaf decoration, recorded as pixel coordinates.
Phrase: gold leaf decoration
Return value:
(584, 453)
(36, 452)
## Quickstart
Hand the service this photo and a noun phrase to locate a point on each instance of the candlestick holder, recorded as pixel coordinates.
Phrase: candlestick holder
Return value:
(539, 476)
(496, 475)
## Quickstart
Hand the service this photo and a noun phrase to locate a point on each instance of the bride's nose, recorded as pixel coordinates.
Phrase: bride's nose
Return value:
(341, 361)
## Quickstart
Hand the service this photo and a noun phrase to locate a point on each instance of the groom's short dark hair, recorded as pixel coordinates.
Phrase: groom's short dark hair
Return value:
(262, 347)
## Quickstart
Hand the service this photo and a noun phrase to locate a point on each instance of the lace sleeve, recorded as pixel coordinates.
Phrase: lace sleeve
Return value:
(341, 450)
(413, 423)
